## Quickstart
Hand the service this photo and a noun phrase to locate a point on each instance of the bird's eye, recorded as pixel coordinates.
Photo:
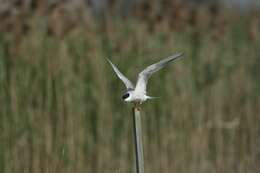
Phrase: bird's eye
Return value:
(125, 96)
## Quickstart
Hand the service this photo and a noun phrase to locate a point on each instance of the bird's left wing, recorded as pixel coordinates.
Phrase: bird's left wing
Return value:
(148, 71)
(126, 81)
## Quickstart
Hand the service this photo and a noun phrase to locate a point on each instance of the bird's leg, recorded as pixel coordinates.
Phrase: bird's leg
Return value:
(137, 105)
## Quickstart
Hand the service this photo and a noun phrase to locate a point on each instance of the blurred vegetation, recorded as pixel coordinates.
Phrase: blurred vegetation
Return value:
(61, 107)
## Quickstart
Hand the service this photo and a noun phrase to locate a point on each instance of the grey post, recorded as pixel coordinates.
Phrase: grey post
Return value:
(138, 140)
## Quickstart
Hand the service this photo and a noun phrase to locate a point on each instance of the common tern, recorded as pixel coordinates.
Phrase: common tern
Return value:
(137, 94)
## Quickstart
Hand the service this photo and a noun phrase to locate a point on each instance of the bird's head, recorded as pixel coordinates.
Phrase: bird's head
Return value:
(127, 96)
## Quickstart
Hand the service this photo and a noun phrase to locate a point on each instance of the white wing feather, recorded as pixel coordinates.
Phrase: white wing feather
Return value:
(126, 81)
(148, 71)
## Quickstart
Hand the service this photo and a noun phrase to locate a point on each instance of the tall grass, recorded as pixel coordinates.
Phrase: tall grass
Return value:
(61, 111)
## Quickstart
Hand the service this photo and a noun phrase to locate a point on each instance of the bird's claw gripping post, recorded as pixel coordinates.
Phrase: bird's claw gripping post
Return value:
(137, 105)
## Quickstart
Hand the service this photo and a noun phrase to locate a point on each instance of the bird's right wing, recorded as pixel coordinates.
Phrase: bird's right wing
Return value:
(148, 71)
(126, 81)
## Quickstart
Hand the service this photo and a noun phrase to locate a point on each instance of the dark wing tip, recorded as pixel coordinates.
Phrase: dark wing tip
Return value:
(179, 55)
(176, 56)
(108, 60)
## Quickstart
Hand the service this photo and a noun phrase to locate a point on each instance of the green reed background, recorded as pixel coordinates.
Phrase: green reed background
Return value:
(61, 107)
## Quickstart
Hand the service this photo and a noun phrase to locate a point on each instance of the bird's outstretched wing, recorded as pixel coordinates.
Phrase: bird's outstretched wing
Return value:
(126, 81)
(148, 71)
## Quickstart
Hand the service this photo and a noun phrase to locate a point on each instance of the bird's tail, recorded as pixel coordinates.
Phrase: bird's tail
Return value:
(150, 97)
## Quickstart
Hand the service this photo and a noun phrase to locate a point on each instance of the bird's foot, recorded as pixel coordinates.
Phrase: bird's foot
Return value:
(137, 105)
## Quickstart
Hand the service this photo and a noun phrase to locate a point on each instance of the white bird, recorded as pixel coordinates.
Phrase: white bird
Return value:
(137, 94)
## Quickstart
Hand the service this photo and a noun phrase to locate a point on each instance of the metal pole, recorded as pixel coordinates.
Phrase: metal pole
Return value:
(138, 140)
